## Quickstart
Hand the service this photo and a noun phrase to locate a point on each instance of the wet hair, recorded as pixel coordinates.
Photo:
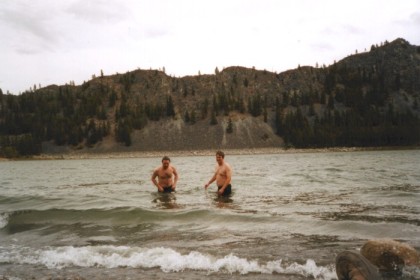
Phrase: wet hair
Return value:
(166, 158)
(220, 153)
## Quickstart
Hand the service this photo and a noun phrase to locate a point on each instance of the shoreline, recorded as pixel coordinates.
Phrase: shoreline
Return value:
(204, 152)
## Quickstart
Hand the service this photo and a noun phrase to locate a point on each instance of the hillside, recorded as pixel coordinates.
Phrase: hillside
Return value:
(366, 99)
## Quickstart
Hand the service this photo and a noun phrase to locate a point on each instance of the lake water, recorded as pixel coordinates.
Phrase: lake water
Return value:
(289, 216)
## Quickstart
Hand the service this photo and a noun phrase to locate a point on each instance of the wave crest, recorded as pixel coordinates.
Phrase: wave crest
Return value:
(4, 219)
(166, 259)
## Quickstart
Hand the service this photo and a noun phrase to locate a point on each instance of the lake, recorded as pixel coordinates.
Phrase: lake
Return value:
(288, 217)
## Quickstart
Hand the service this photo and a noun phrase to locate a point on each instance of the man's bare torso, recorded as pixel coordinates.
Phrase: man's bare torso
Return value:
(165, 176)
(222, 173)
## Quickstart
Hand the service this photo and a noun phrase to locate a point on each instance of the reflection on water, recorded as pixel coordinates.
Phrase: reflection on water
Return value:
(165, 200)
(223, 201)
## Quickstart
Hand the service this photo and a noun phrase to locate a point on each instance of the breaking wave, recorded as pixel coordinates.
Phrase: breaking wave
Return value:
(165, 259)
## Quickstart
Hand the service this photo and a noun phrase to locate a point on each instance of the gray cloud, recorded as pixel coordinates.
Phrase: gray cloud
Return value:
(323, 47)
(154, 32)
(28, 29)
(351, 29)
(98, 11)
(342, 29)
(415, 18)
(23, 22)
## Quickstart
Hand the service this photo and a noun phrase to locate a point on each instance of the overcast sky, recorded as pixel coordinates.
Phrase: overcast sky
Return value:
(54, 42)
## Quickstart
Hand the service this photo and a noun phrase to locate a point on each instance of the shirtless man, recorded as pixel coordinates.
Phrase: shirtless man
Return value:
(167, 176)
(222, 176)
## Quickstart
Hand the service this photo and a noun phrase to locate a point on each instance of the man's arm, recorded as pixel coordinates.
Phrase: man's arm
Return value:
(175, 178)
(211, 180)
(154, 175)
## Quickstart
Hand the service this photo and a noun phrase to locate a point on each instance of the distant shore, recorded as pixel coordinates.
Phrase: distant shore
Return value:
(186, 153)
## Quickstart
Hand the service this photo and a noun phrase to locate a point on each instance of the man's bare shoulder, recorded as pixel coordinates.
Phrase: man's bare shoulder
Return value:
(157, 169)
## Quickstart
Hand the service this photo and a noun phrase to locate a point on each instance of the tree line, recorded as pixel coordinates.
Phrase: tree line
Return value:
(359, 112)
(353, 107)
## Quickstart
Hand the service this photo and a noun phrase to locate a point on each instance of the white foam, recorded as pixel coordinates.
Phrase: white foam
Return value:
(168, 260)
(4, 219)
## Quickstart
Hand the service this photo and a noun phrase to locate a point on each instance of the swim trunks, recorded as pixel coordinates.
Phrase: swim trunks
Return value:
(167, 189)
(227, 191)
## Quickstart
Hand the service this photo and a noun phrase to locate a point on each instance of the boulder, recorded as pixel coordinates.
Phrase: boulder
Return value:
(389, 256)
(350, 265)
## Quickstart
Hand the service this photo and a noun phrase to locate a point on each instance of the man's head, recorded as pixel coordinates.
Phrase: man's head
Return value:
(165, 161)
(220, 157)
(220, 153)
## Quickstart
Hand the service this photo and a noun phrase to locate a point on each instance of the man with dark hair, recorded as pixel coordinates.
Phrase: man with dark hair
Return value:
(222, 175)
(167, 176)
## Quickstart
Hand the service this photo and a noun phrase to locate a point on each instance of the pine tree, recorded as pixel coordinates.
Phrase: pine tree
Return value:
(213, 119)
(229, 128)
(187, 118)
(330, 102)
(170, 111)
(204, 108)
(192, 117)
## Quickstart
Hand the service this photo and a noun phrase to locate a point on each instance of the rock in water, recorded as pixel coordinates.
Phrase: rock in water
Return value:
(351, 265)
(389, 256)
